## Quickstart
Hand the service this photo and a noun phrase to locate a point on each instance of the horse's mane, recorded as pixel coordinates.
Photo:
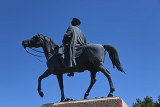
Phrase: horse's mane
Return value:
(49, 40)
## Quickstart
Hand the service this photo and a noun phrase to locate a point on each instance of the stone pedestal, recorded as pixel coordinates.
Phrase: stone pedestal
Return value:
(98, 102)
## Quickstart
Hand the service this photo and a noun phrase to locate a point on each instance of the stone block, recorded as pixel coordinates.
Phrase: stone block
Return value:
(98, 102)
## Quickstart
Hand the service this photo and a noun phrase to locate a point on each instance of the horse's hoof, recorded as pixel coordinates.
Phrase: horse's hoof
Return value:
(62, 101)
(68, 99)
(110, 95)
(41, 94)
(112, 89)
(85, 98)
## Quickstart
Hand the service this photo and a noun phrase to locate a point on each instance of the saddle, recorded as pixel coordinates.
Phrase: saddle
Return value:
(78, 51)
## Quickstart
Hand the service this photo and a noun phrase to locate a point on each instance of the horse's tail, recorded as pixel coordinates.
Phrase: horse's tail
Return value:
(113, 54)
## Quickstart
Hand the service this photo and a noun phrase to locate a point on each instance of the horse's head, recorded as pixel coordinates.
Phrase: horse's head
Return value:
(40, 40)
(35, 41)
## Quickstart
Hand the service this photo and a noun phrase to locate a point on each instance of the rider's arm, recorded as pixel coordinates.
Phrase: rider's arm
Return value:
(67, 35)
(68, 32)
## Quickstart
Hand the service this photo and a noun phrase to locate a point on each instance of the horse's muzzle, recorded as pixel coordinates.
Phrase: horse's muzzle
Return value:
(24, 43)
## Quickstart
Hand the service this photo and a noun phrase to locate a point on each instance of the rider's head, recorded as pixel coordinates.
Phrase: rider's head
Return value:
(75, 22)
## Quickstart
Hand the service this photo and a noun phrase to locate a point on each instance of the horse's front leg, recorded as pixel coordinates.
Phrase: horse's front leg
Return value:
(93, 80)
(44, 75)
(60, 80)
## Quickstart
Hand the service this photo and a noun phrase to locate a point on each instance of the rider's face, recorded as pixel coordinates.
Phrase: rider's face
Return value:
(74, 23)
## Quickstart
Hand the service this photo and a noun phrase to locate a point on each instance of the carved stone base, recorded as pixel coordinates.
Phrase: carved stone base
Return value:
(98, 102)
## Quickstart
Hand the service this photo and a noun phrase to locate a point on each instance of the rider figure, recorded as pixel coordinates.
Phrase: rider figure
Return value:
(73, 38)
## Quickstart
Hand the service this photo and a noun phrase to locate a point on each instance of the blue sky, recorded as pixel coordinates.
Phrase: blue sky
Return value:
(133, 27)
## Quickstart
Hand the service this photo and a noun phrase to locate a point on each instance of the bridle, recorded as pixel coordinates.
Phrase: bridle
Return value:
(42, 38)
(34, 50)
(34, 54)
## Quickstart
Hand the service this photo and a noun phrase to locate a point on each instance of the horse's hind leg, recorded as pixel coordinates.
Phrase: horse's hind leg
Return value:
(93, 80)
(44, 75)
(107, 74)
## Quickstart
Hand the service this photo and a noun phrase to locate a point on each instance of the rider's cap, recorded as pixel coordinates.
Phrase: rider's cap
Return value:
(75, 19)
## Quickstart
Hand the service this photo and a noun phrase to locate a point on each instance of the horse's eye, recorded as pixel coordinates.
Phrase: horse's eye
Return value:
(35, 37)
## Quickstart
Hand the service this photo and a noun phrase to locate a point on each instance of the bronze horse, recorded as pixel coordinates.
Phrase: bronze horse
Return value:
(91, 59)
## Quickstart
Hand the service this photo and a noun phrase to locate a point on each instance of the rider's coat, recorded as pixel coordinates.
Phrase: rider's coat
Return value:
(73, 37)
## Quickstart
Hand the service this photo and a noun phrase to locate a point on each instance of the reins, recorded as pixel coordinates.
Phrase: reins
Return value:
(36, 50)
(34, 54)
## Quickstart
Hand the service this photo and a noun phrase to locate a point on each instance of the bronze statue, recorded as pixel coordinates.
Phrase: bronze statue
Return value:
(73, 38)
(87, 57)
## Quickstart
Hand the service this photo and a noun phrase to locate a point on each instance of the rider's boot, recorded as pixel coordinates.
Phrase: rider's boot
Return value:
(70, 74)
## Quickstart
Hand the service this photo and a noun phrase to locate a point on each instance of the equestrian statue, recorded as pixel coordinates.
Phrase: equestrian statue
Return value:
(74, 55)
